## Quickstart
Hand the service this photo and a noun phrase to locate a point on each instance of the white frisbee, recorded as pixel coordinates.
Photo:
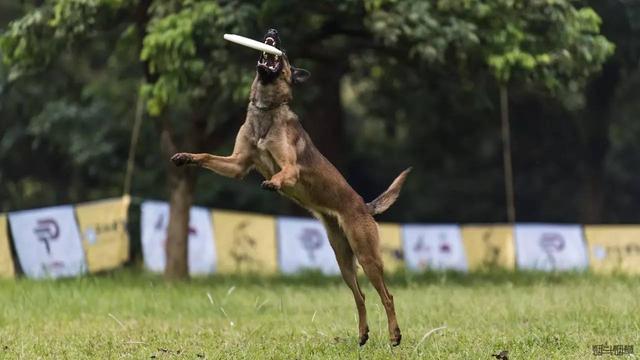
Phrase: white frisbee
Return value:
(241, 40)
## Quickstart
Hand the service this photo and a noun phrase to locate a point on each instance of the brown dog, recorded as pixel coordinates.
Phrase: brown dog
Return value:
(273, 141)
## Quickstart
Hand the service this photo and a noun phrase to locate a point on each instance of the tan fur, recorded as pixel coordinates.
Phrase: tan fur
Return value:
(272, 141)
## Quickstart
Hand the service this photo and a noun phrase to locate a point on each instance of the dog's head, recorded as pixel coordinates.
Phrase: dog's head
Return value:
(274, 69)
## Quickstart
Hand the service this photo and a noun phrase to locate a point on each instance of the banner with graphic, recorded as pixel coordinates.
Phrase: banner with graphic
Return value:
(245, 242)
(489, 246)
(550, 247)
(391, 246)
(47, 242)
(201, 245)
(6, 261)
(436, 247)
(103, 227)
(303, 244)
(614, 248)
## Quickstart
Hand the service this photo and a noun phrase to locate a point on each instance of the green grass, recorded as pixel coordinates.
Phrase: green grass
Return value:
(128, 314)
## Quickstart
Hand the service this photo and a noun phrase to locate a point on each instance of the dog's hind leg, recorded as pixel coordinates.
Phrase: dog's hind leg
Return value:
(362, 232)
(347, 264)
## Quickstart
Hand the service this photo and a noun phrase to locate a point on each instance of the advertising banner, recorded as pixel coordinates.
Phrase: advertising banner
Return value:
(489, 246)
(47, 242)
(6, 261)
(550, 247)
(391, 246)
(201, 244)
(245, 242)
(436, 247)
(614, 248)
(303, 244)
(103, 227)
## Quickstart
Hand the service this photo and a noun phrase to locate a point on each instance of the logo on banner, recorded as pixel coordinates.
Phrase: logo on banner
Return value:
(47, 230)
(617, 252)
(311, 240)
(551, 244)
(443, 247)
(394, 252)
(160, 222)
(492, 252)
(244, 246)
(160, 226)
(92, 233)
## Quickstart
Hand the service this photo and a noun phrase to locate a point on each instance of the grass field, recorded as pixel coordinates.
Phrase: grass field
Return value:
(134, 315)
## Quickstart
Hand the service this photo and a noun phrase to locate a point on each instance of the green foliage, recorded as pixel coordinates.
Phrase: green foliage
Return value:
(185, 49)
(21, 44)
(417, 79)
(547, 42)
(34, 41)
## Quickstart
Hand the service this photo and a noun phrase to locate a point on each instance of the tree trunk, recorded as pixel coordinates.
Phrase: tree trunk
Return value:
(181, 182)
(506, 154)
(594, 196)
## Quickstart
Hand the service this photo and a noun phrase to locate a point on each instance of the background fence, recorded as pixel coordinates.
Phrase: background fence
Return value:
(68, 240)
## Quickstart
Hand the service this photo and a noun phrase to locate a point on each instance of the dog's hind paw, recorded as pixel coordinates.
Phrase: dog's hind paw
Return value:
(396, 338)
(180, 159)
(364, 336)
(269, 185)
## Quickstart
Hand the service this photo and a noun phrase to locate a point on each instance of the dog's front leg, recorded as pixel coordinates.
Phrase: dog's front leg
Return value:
(235, 166)
(284, 154)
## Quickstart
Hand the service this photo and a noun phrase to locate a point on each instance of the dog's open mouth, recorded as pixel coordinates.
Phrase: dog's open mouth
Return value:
(267, 61)
(269, 65)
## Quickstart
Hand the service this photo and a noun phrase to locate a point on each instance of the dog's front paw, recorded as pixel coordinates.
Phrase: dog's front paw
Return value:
(270, 185)
(180, 159)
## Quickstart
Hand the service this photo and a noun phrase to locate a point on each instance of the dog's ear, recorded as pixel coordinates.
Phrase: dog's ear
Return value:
(299, 76)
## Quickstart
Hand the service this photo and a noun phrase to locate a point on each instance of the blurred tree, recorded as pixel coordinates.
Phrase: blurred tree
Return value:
(175, 42)
(608, 131)
(538, 44)
(413, 78)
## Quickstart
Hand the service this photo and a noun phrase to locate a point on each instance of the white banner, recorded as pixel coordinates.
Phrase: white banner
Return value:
(437, 247)
(47, 242)
(201, 249)
(303, 244)
(550, 247)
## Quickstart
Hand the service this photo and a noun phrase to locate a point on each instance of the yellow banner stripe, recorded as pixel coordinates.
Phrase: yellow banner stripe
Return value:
(6, 262)
(245, 242)
(104, 233)
(489, 246)
(613, 248)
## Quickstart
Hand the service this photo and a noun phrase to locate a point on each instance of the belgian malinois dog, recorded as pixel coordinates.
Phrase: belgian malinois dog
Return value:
(272, 141)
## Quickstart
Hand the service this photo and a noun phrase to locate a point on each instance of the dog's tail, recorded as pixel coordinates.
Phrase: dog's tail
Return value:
(387, 198)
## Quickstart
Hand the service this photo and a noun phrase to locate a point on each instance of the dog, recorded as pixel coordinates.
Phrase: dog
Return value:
(273, 141)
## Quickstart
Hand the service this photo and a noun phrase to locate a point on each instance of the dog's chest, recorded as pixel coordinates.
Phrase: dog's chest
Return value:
(263, 160)
(261, 144)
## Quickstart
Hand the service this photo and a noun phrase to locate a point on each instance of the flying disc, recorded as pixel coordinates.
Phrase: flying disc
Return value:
(257, 45)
